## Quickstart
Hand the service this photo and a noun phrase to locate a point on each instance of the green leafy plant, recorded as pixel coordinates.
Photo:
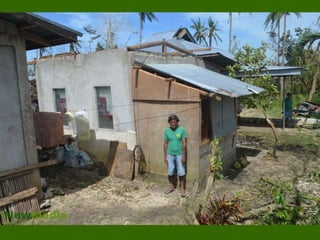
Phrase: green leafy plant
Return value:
(220, 212)
(215, 159)
(286, 213)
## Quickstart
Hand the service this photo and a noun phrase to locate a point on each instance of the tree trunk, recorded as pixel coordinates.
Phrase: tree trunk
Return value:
(230, 31)
(314, 83)
(276, 138)
(283, 53)
(209, 186)
(284, 37)
(141, 26)
(278, 49)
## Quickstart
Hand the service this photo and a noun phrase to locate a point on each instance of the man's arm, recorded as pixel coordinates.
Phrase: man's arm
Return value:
(184, 150)
(165, 148)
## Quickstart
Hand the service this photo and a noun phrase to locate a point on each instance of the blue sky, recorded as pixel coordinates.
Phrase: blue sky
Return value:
(247, 27)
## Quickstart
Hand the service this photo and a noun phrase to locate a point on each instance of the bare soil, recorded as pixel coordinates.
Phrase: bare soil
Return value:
(79, 196)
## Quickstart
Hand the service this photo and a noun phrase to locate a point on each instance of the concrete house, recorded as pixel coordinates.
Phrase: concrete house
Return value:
(129, 93)
(19, 161)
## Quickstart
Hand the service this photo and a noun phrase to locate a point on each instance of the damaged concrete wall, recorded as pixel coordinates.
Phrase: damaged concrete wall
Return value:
(79, 75)
(17, 139)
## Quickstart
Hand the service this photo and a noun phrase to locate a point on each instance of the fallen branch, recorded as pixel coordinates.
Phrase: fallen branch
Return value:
(258, 211)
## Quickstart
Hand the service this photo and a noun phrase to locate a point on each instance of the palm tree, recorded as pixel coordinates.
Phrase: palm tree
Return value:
(318, 21)
(93, 33)
(285, 32)
(272, 36)
(230, 31)
(212, 32)
(312, 43)
(200, 31)
(275, 18)
(142, 17)
(75, 47)
(309, 39)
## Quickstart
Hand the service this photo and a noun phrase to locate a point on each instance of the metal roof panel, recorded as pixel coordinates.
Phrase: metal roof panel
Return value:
(205, 79)
(279, 71)
(40, 32)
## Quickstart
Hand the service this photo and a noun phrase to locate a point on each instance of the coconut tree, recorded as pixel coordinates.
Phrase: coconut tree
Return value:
(200, 31)
(311, 42)
(318, 21)
(142, 18)
(93, 33)
(75, 47)
(212, 32)
(272, 36)
(274, 19)
(230, 31)
(284, 16)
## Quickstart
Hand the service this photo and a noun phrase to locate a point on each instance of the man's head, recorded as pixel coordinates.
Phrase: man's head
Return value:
(173, 117)
(173, 120)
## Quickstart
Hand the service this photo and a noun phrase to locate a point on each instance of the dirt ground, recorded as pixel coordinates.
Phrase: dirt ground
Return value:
(79, 196)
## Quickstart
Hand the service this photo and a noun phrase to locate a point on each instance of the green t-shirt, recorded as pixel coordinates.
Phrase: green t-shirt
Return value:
(174, 139)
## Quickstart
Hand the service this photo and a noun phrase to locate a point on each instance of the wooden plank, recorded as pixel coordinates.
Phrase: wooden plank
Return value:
(18, 196)
(123, 165)
(28, 167)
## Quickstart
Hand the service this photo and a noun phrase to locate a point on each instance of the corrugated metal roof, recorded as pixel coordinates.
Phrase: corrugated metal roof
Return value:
(40, 32)
(189, 46)
(181, 33)
(284, 70)
(159, 36)
(196, 50)
(205, 79)
(280, 71)
(215, 51)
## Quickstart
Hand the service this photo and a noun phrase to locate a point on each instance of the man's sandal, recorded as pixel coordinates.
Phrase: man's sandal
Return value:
(169, 191)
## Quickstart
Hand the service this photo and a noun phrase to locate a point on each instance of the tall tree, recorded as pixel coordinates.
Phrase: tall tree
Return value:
(274, 20)
(312, 42)
(142, 17)
(250, 61)
(230, 20)
(201, 31)
(93, 33)
(273, 46)
(230, 31)
(284, 16)
(75, 47)
(212, 32)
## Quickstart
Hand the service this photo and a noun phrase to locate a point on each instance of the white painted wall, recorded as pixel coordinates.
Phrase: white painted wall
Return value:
(79, 75)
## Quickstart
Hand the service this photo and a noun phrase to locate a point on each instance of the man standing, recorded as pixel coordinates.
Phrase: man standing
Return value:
(287, 108)
(175, 154)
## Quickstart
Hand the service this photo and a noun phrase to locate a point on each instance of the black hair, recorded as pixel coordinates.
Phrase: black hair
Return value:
(173, 117)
